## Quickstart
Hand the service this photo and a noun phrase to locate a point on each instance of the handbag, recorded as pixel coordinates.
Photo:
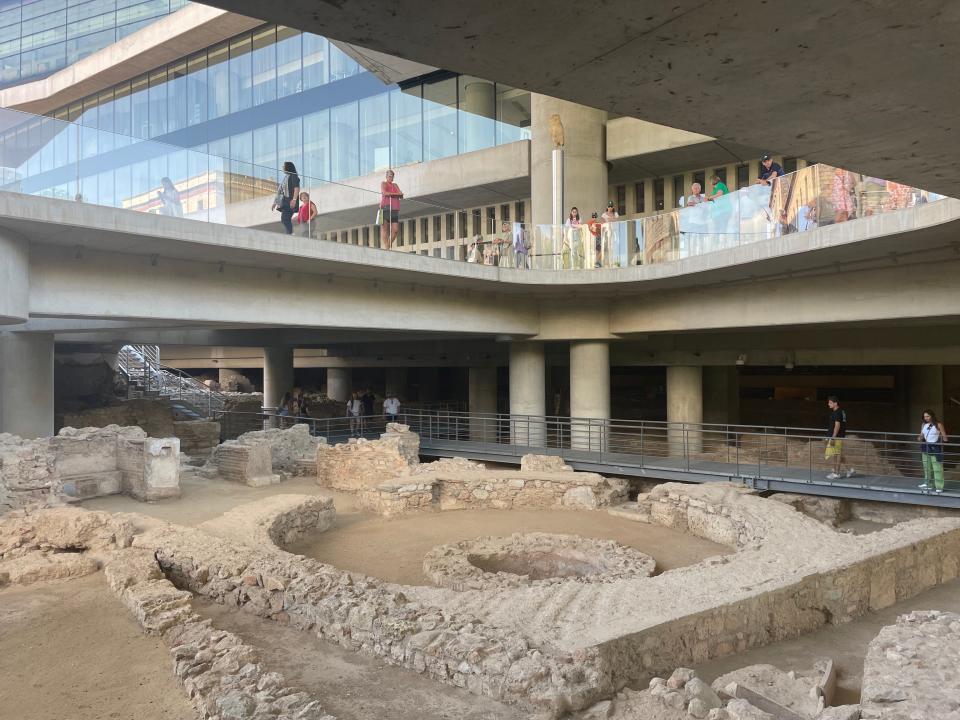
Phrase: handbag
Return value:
(379, 220)
(280, 198)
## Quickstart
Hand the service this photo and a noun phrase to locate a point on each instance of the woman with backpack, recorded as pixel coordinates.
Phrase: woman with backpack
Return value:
(287, 199)
(932, 437)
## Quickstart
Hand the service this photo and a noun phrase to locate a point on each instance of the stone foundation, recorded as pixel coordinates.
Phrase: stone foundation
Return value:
(246, 464)
(84, 463)
(197, 437)
(277, 520)
(287, 446)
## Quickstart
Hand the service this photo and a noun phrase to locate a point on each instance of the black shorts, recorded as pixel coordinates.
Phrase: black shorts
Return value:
(390, 216)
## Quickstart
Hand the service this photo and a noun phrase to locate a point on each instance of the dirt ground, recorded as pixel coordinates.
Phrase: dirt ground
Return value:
(846, 644)
(70, 651)
(352, 686)
(393, 549)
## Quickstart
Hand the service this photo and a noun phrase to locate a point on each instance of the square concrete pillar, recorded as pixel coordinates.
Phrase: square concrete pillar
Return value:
(26, 384)
(684, 409)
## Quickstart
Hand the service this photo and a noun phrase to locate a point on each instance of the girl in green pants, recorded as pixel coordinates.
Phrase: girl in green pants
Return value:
(932, 437)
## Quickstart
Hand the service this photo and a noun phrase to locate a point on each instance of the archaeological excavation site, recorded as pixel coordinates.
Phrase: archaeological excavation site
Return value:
(279, 574)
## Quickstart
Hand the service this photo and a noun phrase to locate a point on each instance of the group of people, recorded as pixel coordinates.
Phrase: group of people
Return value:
(511, 248)
(932, 437)
(360, 409)
(294, 404)
(598, 229)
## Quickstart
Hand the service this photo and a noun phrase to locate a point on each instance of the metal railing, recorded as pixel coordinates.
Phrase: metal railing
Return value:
(761, 456)
(142, 367)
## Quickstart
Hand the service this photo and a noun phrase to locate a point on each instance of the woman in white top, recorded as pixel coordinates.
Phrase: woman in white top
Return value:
(354, 408)
(932, 437)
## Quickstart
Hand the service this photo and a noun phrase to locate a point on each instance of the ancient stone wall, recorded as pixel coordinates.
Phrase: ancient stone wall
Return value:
(247, 464)
(361, 464)
(154, 416)
(243, 414)
(276, 520)
(197, 437)
(88, 462)
(287, 446)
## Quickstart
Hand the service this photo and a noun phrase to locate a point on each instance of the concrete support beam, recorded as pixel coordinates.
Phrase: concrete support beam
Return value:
(396, 382)
(277, 375)
(26, 384)
(584, 157)
(925, 387)
(589, 393)
(482, 400)
(684, 405)
(527, 392)
(721, 396)
(339, 382)
(14, 278)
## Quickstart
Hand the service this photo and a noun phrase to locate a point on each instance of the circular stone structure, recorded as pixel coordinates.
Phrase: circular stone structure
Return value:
(525, 559)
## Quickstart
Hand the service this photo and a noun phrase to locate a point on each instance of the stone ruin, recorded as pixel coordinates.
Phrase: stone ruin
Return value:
(82, 463)
(265, 457)
(360, 463)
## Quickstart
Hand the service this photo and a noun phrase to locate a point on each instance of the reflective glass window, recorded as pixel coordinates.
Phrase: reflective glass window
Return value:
(81, 47)
(440, 119)
(477, 113)
(122, 112)
(513, 114)
(105, 121)
(374, 133)
(141, 11)
(315, 66)
(264, 66)
(45, 38)
(218, 82)
(316, 145)
(41, 7)
(140, 108)
(290, 144)
(39, 23)
(158, 103)
(265, 152)
(406, 125)
(197, 89)
(177, 103)
(341, 65)
(11, 17)
(10, 68)
(241, 75)
(344, 141)
(289, 79)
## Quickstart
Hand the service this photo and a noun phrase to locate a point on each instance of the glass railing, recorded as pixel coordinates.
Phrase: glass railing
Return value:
(815, 196)
(52, 158)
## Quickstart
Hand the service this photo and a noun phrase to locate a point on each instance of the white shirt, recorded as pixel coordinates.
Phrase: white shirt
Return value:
(391, 406)
(354, 407)
(931, 433)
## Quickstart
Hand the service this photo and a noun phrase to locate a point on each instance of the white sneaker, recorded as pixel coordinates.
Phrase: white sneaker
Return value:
(924, 486)
(851, 472)
(939, 490)
(833, 476)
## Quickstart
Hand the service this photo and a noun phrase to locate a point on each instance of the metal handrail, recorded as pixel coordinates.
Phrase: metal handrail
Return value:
(141, 363)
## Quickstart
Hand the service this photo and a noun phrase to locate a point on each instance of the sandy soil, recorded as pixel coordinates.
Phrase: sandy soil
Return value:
(202, 499)
(845, 644)
(70, 651)
(352, 686)
(393, 549)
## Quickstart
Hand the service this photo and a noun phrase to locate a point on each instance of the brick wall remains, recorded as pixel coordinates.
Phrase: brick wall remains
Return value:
(362, 464)
(197, 437)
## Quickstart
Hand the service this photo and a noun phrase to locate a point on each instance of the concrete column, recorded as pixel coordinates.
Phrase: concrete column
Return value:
(26, 384)
(684, 405)
(14, 278)
(482, 399)
(925, 385)
(721, 396)
(527, 393)
(277, 375)
(584, 158)
(339, 384)
(396, 382)
(589, 393)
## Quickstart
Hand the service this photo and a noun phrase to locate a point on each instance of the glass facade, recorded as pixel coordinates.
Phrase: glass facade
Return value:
(276, 94)
(40, 37)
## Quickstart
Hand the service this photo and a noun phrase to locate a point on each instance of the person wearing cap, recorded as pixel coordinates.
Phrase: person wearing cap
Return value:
(769, 171)
(609, 217)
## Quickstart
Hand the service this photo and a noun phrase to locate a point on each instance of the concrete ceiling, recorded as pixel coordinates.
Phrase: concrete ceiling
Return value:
(869, 86)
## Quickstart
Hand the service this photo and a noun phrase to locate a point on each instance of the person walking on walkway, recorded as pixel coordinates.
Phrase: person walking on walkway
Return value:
(932, 437)
(287, 200)
(354, 408)
(836, 432)
(389, 211)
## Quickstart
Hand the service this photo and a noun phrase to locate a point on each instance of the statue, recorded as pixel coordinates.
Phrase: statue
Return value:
(556, 130)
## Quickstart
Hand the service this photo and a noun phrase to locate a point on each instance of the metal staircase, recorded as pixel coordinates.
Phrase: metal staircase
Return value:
(147, 377)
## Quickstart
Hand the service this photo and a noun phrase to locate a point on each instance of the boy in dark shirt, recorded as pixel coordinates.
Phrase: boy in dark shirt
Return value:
(836, 431)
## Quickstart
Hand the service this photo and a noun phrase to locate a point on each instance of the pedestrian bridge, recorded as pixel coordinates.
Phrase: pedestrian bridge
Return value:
(887, 466)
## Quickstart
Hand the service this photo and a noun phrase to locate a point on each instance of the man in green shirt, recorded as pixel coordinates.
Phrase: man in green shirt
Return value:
(719, 188)
(722, 226)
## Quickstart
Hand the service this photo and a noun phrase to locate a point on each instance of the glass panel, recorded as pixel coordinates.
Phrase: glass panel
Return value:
(177, 97)
(264, 66)
(440, 119)
(406, 125)
(10, 17)
(288, 62)
(197, 89)
(265, 147)
(47, 37)
(158, 103)
(241, 75)
(11, 33)
(89, 44)
(38, 23)
(141, 12)
(122, 114)
(513, 114)
(105, 121)
(10, 68)
(341, 65)
(374, 133)
(140, 108)
(290, 143)
(477, 112)
(42, 7)
(315, 66)
(96, 8)
(316, 145)
(344, 141)
(218, 83)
